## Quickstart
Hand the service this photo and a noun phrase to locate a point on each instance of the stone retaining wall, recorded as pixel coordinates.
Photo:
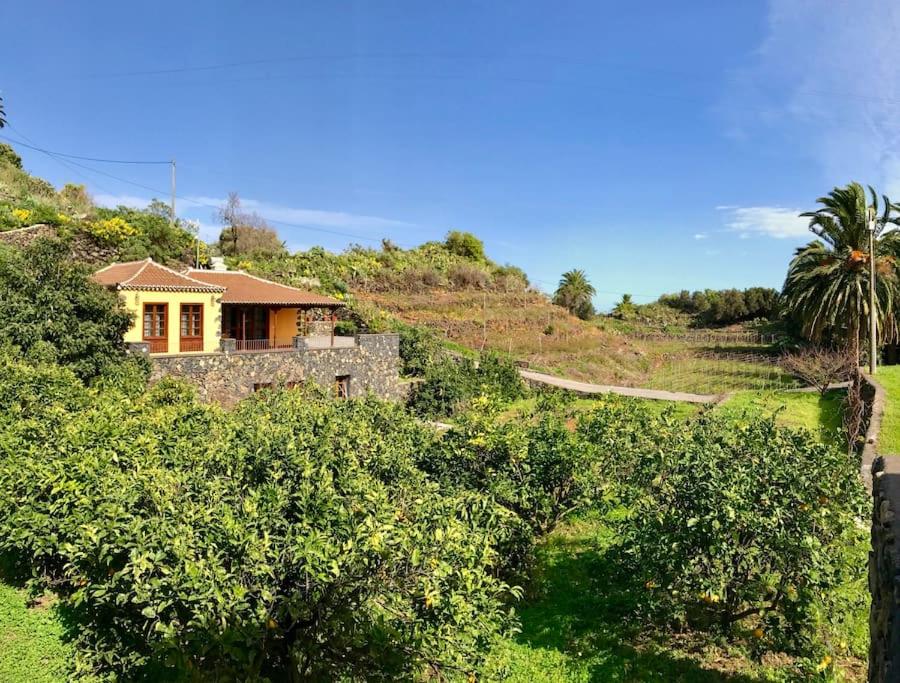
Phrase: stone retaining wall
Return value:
(372, 365)
(884, 573)
(83, 247)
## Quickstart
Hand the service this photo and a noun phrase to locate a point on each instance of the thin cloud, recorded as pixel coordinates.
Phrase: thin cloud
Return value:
(768, 221)
(111, 201)
(338, 220)
(700, 236)
(838, 107)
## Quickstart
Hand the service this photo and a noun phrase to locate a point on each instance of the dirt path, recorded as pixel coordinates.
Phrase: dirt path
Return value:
(586, 388)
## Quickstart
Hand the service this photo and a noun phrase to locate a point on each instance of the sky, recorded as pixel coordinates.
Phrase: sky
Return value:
(658, 146)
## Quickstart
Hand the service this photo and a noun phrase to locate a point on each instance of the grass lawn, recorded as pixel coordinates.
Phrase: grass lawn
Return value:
(32, 646)
(682, 410)
(577, 627)
(889, 438)
(809, 410)
(704, 375)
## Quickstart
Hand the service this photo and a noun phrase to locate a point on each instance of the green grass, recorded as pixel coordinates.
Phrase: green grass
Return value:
(680, 409)
(889, 438)
(807, 410)
(578, 627)
(714, 376)
(32, 643)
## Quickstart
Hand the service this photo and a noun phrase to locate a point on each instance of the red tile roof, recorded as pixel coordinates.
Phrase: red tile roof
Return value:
(149, 275)
(242, 288)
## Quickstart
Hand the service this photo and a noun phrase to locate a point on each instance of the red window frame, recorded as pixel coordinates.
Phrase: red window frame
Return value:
(155, 318)
(190, 327)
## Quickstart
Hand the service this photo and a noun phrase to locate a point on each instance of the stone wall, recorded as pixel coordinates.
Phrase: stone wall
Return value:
(884, 573)
(83, 247)
(372, 364)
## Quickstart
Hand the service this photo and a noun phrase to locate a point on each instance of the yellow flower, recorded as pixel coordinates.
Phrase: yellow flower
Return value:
(824, 664)
(22, 215)
(63, 218)
(111, 230)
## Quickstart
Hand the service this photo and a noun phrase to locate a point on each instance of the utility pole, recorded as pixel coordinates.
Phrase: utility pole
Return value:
(173, 193)
(873, 323)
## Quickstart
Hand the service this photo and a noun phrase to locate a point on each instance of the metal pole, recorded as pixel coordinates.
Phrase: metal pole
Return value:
(873, 322)
(173, 193)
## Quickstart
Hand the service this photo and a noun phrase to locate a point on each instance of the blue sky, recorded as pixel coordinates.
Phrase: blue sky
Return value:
(656, 145)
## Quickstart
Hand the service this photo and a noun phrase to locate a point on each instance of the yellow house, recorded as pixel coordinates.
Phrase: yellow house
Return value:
(193, 312)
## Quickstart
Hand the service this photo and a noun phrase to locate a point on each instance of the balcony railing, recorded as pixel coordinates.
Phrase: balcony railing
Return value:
(190, 345)
(157, 345)
(259, 345)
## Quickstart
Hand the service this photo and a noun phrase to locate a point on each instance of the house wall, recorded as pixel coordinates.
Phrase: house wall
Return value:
(373, 365)
(283, 325)
(212, 315)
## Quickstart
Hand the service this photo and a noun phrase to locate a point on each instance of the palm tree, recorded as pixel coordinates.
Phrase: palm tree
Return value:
(574, 293)
(827, 285)
(2, 114)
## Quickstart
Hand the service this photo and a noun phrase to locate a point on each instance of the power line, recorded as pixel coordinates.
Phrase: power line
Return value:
(162, 193)
(74, 156)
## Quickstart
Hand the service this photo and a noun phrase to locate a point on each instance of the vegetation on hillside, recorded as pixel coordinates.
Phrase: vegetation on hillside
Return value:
(130, 233)
(575, 294)
(457, 263)
(707, 308)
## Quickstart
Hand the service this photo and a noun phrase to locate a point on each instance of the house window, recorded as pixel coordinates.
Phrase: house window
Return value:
(155, 330)
(191, 327)
(342, 386)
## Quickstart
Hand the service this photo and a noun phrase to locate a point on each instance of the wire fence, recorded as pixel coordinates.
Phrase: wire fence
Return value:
(717, 372)
(711, 337)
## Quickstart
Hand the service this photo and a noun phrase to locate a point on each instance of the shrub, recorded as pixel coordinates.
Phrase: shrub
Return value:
(510, 278)
(345, 328)
(9, 156)
(291, 539)
(152, 233)
(418, 349)
(535, 466)
(465, 244)
(422, 278)
(44, 298)
(819, 367)
(747, 522)
(113, 230)
(451, 383)
(467, 276)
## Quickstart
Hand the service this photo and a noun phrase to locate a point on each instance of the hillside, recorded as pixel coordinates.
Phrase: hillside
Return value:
(451, 287)
(525, 325)
(121, 233)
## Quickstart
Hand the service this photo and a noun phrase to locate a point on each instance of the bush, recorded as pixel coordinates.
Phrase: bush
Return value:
(465, 244)
(9, 156)
(291, 539)
(46, 299)
(422, 278)
(151, 233)
(510, 278)
(451, 383)
(345, 328)
(729, 524)
(113, 230)
(534, 466)
(467, 276)
(418, 349)
(819, 367)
